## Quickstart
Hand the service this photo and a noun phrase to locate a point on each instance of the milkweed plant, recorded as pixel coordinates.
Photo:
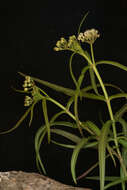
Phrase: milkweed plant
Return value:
(109, 139)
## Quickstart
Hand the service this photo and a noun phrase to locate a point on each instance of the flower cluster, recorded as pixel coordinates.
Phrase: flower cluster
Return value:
(28, 101)
(89, 36)
(28, 87)
(71, 44)
(28, 83)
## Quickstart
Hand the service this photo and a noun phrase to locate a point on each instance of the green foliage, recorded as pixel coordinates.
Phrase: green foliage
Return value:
(107, 139)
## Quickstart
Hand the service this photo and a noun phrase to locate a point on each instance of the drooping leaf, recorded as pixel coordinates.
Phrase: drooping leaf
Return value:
(107, 178)
(45, 112)
(68, 135)
(115, 182)
(102, 151)
(94, 128)
(40, 134)
(19, 122)
(82, 75)
(121, 112)
(58, 88)
(115, 64)
(76, 112)
(93, 81)
(92, 96)
(31, 113)
(120, 95)
(70, 68)
(74, 157)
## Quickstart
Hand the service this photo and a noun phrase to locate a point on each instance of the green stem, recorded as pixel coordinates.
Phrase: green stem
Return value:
(108, 105)
(92, 54)
(68, 112)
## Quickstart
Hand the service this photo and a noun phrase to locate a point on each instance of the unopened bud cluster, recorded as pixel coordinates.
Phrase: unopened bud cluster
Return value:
(71, 44)
(89, 36)
(28, 83)
(28, 101)
(28, 86)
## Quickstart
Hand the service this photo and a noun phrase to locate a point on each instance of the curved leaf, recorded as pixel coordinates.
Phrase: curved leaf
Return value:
(120, 95)
(116, 64)
(115, 182)
(44, 106)
(82, 21)
(92, 96)
(68, 135)
(74, 157)
(94, 128)
(102, 151)
(40, 134)
(93, 80)
(19, 122)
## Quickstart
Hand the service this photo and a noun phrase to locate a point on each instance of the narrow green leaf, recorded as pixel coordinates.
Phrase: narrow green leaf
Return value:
(64, 123)
(107, 178)
(102, 151)
(82, 21)
(121, 112)
(68, 135)
(70, 102)
(120, 95)
(31, 114)
(63, 145)
(56, 116)
(44, 106)
(93, 96)
(74, 157)
(58, 88)
(105, 84)
(115, 182)
(93, 81)
(71, 72)
(19, 122)
(82, 75)
(93, 128)
(115, 64)
(40, 134)
(76, 112)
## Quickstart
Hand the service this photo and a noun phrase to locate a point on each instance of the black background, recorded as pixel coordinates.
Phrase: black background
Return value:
(29, 31)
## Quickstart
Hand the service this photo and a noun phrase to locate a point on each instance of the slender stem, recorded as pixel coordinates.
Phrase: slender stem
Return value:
(68, 112)
(92, 53)
(108, 105)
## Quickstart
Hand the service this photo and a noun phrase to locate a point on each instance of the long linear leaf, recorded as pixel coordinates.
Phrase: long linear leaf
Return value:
(93, 128)
(87, 145)
(75, 156)
(82, 75)
(19, 122)
(31, 113)
(44, 106)
(82, 21)
(71, 72)
(40, 134)
(116, 64)
(120, 95)
(121, 112)
(93, 96)
(124, 147)
(93, 80)
(58, 88)
(68, 135)
(76, 113)
(102, 151)
(88, 88)
(116, 182)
